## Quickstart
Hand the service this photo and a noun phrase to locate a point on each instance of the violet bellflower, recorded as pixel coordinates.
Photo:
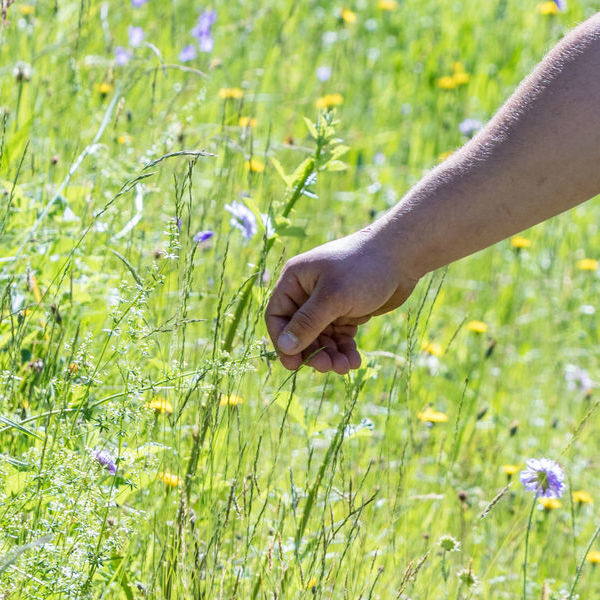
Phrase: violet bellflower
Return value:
(106, 460)
(242, 218)
(202, 30)
(203, 236)
(543, 476)
(188, 53)
(136, 36)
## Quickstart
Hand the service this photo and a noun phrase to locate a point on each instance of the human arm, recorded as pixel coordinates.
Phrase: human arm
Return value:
(539, 156)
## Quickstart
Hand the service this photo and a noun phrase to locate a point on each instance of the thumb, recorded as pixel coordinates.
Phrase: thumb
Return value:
(308, 322)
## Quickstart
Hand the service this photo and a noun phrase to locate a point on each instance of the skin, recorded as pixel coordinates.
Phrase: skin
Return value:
(539, 156)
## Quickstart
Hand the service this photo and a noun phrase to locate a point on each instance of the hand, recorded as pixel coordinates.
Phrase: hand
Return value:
(323, 295)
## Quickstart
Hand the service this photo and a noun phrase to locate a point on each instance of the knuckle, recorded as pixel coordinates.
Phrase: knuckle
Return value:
(303, 320)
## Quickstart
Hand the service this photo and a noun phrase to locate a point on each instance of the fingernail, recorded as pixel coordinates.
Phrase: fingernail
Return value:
(287, 342)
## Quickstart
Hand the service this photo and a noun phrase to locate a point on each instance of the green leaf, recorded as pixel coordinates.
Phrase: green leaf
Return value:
(279, 168)
(131, 268)
(293, 407)
(311, 128)
(336, 165)
(14, 425)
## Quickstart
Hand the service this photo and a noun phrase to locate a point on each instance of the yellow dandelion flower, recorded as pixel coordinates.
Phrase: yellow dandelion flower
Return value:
(169, 479)
(429, 415)
(477, 326)
(511, 469)
(329, 101)
(311, 583)
(444, 155)
(593, 557)
(160, 405)
(231, 400)
(587, 264)
(348, 16)
(247, 122)
(387, 5)
(231, 93)
(446, 82)
(458, 67)
(26, 9)
(548, 8)
(255, 165)
(124, 139)
(520, 242)
(433, 348)
(461, 78)
(550, 503)
(104, 88)
(582, 497)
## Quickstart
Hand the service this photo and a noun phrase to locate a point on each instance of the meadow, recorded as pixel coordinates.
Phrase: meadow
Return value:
(159, 162)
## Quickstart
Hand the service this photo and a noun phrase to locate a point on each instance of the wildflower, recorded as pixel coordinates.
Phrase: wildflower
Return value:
(22, 71)
(203, 236)
(510, 470)
(247, 122)
(387, 5)
(543, 476)
(311, 583)
(242, 218)
(324, 73)
(122, 56)
(231, 400)
(449, 544)
(582, 497)
(231, 93)
(169, 479)
(446, 82)
(519, 242)
(470, 126)
(548, 8)
(188, 53)
(160, 405)
(26, 10)
(329, 101)
(106, 460)
(577, 377)
(124, 139)
(477, 326)
(138, 3)
(433, 348)
(587, 264)
(136, 36)
(37, 365)
(593, 557)
(466, 577)
(549, 503)
(255, 165)
(429, 415)
(104, 88)
(348, 16)
(461, 78)
(202, 30)
(73, 368)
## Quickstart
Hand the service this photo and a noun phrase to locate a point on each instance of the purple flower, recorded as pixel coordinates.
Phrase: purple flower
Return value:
(138, 3)
(324, 73)
(122, 56)
(561, 4)
(577, 377)
(470, 126)
(543, 476)
(203, 236)
(106, 460)
(188, 53)
(202, 30)
(136, 36)
(243, 219)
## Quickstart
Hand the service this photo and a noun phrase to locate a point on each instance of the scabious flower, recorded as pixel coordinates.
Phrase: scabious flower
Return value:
(122, 56)
(188, 53)
(470, 126)
(242, 218)
(203, 236)
(202, 30)
(543, 476)
(136, 36)
(106, 460)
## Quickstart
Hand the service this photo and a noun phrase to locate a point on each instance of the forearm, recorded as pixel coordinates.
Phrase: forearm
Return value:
(539, 156)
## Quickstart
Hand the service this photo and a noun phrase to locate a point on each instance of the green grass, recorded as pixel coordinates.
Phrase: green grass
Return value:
(106, 305)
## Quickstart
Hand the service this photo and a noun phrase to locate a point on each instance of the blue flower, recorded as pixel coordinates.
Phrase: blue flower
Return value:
(561, 4)
(136, 36)
(188, 53)
(243, 219)
(138, 3)
(543, 476)
(202, 30)
(106, 460)
(122, 56)
(203, 236)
